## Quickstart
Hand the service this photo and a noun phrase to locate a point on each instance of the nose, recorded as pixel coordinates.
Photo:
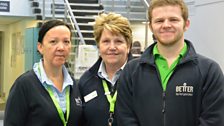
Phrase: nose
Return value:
(112, 45)
(61, 46)
(166, 23)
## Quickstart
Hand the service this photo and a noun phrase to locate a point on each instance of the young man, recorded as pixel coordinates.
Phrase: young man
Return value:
(170, 85)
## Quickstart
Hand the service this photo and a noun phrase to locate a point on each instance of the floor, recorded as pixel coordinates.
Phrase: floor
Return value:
(1, 117)
(1, 122)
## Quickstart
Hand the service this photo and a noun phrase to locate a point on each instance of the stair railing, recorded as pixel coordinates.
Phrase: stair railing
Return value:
(146, 4)
(73, 21)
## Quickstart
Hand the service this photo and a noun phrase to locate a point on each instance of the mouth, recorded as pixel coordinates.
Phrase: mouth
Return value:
(112, 54)
(62, 56)
(167, 33)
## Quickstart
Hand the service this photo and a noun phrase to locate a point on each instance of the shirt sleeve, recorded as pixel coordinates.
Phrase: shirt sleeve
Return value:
(212, 106)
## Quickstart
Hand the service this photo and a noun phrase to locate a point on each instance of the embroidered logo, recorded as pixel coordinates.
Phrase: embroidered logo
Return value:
(184, 90)
(78, 101)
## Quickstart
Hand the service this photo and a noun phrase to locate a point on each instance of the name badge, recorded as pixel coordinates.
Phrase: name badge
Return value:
(90, 96)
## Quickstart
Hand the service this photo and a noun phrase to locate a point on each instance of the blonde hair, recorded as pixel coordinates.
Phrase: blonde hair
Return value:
(160, 3)
(115, 23)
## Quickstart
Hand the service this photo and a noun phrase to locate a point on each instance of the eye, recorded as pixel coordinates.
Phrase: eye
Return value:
(67, 41)
(119, 41)
(174, 20)
(106, 41)
(53, 41)
(158, 21)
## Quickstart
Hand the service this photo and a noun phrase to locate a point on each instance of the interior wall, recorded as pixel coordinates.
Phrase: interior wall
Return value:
(12, 62)
(139, 34)
(3, 29)
(19, 8)
(1, 59)
(206, 30)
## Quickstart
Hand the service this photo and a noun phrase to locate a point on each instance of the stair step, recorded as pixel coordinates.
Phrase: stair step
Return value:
(84, 20)
(86, 27)
(122, 2)
(84, 4)
(83, 1)
(77, 38)
(84, 24)
(125, 8)
(87, 35)
(85, 17)
(87, 11)
(85, 31)
(87, 7)
(90, 42)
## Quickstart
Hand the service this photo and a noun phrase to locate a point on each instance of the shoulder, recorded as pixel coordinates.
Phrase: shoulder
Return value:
(208, 66)
(206, 62)
(27, 77)
(131, 67)
(134, 63)
(88, 81)
(24, 84)
(87, 75)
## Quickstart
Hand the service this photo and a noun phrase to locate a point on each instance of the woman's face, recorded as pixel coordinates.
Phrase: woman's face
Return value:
(56, 46)
(113, 48)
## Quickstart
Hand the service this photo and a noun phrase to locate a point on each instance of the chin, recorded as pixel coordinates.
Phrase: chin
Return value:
(59, 63)
(111, 62)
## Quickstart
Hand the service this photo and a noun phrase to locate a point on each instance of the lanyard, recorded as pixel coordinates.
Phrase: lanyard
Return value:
(110, 99)
(60, 112)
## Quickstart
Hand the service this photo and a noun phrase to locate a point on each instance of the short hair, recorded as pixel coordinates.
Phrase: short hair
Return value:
(160, 3)
(48, 25)
(115, 23)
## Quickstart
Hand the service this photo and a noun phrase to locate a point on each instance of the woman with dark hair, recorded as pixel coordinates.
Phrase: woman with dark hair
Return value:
(46, 95)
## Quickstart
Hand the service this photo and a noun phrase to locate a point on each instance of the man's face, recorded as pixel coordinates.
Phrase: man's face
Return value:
(168, 25)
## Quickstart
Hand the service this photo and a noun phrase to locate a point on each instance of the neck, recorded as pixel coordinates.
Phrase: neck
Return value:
(55, 74)
(111, 70)
(170, 52)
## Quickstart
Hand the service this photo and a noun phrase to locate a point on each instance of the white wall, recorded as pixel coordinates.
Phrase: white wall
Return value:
(19, 8)
(139, 34)
(207, 29)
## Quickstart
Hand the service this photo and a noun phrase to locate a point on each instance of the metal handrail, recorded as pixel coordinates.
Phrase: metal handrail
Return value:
(146, 4)
(74, 22)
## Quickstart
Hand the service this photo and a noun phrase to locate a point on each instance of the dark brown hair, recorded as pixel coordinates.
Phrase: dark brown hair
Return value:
(48, 25)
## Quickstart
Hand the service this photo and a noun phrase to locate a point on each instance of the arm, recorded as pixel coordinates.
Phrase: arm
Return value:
(124, 105)
(16, 106)
(212, 107)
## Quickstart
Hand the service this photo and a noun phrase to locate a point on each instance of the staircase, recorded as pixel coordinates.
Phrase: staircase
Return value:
(36, 9)
(85, 12)
(134, 10)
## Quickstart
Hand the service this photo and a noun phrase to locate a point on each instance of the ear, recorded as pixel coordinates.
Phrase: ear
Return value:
(39, 48)
(187, 25)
